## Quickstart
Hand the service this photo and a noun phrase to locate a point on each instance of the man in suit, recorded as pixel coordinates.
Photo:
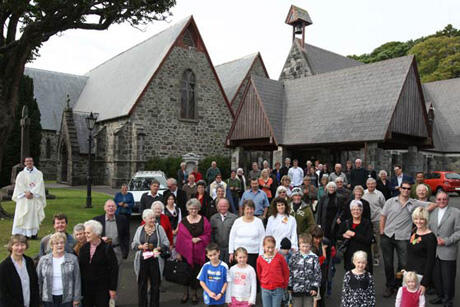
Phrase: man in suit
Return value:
(445, 224)
(398, 179)
(115, 230)
(181, 196)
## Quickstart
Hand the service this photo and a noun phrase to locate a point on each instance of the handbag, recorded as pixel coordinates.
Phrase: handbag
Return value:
(342, 249)
(178, 272)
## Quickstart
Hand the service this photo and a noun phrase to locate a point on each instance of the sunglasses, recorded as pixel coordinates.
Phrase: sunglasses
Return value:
(405, 188)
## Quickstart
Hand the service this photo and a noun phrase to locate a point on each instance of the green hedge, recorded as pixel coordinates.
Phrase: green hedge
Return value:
(223, 163)
(170, 165)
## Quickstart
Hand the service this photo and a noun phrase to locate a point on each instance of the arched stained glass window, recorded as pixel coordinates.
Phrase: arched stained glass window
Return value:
(187, 110)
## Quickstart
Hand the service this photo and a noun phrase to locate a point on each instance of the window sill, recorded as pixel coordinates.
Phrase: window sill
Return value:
(189, 120)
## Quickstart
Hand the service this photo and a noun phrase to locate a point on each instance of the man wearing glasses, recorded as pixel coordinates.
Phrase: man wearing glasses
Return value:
(395, 231)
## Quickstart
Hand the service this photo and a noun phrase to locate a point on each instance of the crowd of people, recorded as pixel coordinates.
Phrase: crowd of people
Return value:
(279, 232)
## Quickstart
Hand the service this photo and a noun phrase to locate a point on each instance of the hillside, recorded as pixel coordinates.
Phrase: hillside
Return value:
(437, 55)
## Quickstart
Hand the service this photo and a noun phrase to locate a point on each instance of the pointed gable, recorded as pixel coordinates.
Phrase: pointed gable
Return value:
(233, 74)
(260, 115)
(114, 86)
(410, 117)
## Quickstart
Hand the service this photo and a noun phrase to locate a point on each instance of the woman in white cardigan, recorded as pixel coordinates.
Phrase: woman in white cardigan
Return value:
(248, 232)
(282, 225)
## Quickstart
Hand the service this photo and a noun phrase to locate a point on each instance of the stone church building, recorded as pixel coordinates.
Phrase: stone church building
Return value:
(165, 97)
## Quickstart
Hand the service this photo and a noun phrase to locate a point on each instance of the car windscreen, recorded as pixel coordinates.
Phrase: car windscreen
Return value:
(452, 176)
(143, 183)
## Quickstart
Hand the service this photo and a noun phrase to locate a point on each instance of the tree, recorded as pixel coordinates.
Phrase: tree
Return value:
(12, 154)
(438, 58)
(437, 55)
(26, 24)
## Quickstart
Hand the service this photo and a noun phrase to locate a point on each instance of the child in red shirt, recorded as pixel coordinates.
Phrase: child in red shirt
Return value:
(273, 273)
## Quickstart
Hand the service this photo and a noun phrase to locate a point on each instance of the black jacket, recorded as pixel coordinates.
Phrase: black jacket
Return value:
(147, 201)
(358, 176)
(123, 231)
(181, 200)
(361, 241)
(208, 208)
(10, 284)
(328, 210)
(101, 274)
(385, 189)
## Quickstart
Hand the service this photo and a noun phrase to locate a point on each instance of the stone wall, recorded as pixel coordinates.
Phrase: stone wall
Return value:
(258, 70)
(296, 65)
(158, 111)
(48, 154)
(155, 128)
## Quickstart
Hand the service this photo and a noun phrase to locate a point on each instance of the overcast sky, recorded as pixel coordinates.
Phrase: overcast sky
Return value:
(235, 28)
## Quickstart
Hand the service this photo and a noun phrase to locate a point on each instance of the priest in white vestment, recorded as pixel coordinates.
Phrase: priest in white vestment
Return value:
(30, 198)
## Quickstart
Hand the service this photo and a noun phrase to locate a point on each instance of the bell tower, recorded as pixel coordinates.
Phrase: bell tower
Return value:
(298, 18)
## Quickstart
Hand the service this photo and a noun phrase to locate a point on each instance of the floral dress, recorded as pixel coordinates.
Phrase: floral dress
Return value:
(358, 290)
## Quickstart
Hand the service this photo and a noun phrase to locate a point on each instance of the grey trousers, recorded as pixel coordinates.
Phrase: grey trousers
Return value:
(302, 301)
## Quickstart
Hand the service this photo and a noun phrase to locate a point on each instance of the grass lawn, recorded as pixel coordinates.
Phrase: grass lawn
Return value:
(70, 202)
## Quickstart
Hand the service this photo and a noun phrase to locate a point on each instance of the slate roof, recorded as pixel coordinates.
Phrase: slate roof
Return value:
(323, 61)
(232, 74)
(348, 105)
(50, 91)
(445, 98)
(271, 93)
(114, 86)
(296, 13)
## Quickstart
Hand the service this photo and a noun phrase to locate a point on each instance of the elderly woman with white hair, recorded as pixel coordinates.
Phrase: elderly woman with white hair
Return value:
(193, 236)
(357, 235)
(150, 243)
(158, 208)
(328, 211)
(384, 185)
(98, 268)
(59, 275)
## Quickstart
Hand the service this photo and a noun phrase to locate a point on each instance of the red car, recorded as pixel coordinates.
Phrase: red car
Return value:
(447, 181)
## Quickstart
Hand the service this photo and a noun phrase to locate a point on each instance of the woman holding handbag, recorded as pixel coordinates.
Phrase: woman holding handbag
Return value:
(149, 241)
(193, 236)
(357, 235)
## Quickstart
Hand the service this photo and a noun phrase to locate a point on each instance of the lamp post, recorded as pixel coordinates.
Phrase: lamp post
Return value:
(90, 123)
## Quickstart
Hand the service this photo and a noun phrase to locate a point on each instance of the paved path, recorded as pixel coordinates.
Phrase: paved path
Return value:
(127, 292)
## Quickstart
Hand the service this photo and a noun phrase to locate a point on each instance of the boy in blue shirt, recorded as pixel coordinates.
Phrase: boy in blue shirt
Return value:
(213, 277)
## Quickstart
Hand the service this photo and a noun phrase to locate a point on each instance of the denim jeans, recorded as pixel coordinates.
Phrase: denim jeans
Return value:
(272, 298)
(388, 246)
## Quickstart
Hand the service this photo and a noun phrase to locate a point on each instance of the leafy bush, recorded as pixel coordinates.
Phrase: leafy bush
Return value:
(168, 165)
(223, 163)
